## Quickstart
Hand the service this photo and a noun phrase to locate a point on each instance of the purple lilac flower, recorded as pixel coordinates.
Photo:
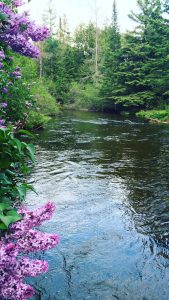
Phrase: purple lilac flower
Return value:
(2, 122)
(4, 90)
(2, 55)
(18, 69)
(17, 3)
(33, 268)
(14, 267)
(3, 104)
(33, 218)
(16, 74)
(36, 241)
(14, 289)
(9, 83)
(20, 32)
(8, 255)
(1, 65)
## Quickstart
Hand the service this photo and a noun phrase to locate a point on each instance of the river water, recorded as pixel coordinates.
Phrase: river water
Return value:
(109, 178)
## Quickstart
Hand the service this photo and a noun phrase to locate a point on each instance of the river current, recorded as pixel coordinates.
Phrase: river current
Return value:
(109, 178)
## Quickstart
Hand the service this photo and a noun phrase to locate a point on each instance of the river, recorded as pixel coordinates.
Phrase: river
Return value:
(109, 178)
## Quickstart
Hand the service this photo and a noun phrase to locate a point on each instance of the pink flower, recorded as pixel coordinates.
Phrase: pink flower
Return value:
(14, 267)
(2, 55)
(17, 3)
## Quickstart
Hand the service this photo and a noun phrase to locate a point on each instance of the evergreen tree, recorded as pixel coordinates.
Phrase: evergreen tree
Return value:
(111, 60)
(143, 77)
(85, 42)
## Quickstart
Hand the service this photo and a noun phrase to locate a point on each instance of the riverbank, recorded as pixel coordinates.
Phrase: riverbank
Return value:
(155, 116)
(152, 116)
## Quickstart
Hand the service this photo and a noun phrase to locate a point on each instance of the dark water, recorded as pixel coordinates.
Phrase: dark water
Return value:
(110, 180)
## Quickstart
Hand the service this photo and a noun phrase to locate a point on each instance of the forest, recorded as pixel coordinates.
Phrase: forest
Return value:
(102, 69)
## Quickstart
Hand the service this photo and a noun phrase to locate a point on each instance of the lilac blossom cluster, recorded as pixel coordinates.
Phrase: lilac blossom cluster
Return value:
(3, 105)
(9, 75)
(22, 239)
(17, 3)
(19, 33)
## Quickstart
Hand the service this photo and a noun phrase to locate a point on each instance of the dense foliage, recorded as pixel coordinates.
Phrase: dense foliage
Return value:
(17, 237)
(127, 71)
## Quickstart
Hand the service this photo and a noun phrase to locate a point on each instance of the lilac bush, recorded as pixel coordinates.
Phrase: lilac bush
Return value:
(19, 239)
(22, 239)
(18, 32)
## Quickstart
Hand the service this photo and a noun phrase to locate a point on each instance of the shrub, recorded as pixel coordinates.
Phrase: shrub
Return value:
(13, 163)
(44, 100)
(162, 115)
(84, 96)
(36, 120)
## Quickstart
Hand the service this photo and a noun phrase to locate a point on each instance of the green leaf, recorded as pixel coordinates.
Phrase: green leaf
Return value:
(26, 132)
(24, 168)
(31, 150)
(30, 187)
(6, 200)
(3, 17)
(3, 226)
(22, 191)
(18, 144)
(4, 206)
(13, 213)
(4, 179)
(9, 219)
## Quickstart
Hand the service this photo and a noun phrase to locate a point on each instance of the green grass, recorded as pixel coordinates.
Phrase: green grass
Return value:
(159, 115)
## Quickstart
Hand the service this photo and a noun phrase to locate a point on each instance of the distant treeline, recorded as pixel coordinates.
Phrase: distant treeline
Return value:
(102, 69)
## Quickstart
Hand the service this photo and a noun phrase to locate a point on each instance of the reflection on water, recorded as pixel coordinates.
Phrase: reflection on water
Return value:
(109, 179)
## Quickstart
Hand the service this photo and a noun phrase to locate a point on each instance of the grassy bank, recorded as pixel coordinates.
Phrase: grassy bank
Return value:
(155, 116)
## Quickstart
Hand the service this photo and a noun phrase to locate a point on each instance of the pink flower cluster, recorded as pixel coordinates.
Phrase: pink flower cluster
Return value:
(8, 75)
(3, 105)
(17, 3)
(18, 32)
(14, 267)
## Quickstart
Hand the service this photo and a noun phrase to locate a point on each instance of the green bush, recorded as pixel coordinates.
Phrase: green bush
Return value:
(44, 100)
(162, 115)
(14, 155)
(19, 101)
(84, 96)
(36, 120)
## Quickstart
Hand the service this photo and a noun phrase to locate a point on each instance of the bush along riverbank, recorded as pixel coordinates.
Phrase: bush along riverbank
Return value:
(18, 238)
(155, 116)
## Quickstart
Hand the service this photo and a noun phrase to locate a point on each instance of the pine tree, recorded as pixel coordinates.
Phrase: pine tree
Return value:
(111, 60)
(85, 42)
(144, 63)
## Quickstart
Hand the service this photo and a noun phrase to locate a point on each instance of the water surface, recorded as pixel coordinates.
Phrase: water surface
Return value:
(109, 178)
